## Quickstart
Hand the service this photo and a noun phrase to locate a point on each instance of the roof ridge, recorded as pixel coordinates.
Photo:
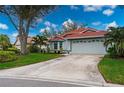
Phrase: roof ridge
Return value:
(82, 32)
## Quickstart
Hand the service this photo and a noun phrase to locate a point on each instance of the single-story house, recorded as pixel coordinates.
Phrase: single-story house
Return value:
(80, 41)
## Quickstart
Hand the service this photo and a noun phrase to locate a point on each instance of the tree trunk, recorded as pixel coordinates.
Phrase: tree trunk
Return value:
(22, 37)
(23, 42)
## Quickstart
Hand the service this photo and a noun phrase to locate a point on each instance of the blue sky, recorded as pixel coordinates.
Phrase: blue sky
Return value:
(98, 17)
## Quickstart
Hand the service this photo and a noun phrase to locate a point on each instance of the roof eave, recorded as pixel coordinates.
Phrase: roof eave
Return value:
(86, 37)
(55, 40)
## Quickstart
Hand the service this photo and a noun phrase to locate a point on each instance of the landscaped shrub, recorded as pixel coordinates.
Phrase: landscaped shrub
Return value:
(17, 51)
(33, 49)
(6, 56)
(112, 52)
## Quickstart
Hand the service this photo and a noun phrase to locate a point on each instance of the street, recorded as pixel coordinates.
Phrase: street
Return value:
(10, 82)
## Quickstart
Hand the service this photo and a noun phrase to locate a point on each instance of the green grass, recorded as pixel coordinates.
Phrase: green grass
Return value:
(112, 69)
(28, 59)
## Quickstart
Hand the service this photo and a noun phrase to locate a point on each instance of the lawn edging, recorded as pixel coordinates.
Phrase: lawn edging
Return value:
(101, 71)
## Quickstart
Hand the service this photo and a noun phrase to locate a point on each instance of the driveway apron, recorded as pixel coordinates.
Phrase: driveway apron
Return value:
(70, 68)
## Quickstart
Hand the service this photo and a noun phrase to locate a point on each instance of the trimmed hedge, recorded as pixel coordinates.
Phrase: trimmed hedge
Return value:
(6, 56)
(17, 51)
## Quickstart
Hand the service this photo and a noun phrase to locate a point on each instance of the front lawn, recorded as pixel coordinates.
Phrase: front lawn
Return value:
(112, 69)
(28, 59)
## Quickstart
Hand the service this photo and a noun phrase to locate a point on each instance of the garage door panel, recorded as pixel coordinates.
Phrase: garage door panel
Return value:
(88, 48)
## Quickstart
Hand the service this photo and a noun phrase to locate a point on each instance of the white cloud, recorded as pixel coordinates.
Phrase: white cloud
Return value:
(12, 40)
(47, 23)
(42, 30)
(14, 34)
(73, 7)
(93, 8)
(56, 29)
(47, 28)
(112, 24)
(108, 12)
(96, 23)
(68, 22)
(3, 26)
(54, 25)
(113, 6)
(39, 20)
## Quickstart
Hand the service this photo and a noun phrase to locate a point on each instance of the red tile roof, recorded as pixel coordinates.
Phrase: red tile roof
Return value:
(80, 33)
(56, 38)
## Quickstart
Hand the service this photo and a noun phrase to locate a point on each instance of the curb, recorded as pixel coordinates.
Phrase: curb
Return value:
(76, 82)
(67, 81)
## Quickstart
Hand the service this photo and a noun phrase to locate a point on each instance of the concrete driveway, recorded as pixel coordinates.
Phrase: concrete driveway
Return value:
(71, 68)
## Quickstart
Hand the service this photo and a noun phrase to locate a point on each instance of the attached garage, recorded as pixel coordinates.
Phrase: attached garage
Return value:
(88, 46)
(83, 41)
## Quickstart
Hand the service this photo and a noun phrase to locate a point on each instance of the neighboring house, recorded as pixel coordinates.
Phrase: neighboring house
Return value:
(29, 42)
(18, 45)
(80, 41)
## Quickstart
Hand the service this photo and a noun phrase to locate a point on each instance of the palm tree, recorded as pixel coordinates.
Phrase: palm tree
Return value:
(115, 39)
(4, 41)
(40, 40)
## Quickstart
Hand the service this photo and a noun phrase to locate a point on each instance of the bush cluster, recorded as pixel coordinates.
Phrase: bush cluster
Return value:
(17, 51)
(6, 56)
(33, 49)
(112, 51)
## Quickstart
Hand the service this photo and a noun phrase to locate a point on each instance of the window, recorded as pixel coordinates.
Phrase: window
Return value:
(77, 41)
(97, 40)
(81, 41)
(102, 40)
(60, 45)
(93, 40)
(89, 41)
(74, 41)
(55, 45)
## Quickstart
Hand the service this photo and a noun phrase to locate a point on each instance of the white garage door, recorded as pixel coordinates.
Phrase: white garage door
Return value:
(91, 46)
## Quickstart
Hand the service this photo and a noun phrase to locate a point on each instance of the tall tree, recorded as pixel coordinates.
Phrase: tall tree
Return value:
(46, 33)
(4, 41)
(24, 17)
(70, 25)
